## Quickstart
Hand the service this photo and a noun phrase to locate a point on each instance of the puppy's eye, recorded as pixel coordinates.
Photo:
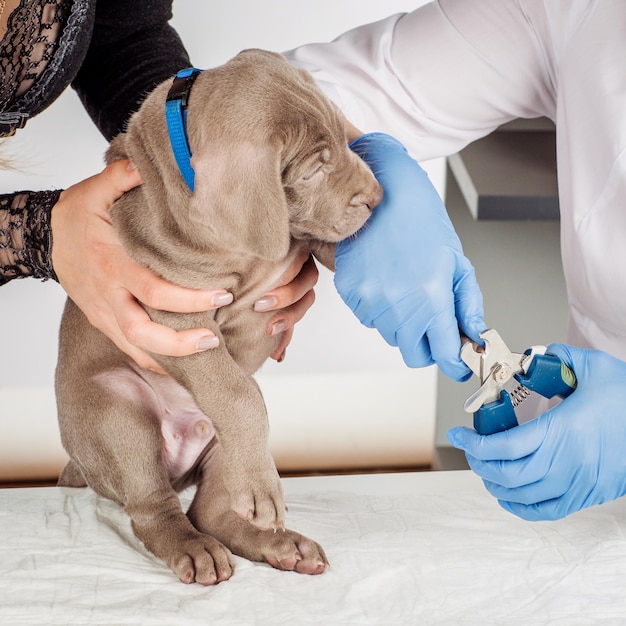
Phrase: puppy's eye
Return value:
(317, 167)
(314, 172)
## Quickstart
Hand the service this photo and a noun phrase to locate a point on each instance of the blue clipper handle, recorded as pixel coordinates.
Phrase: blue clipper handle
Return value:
(548, 376)
(495, 416)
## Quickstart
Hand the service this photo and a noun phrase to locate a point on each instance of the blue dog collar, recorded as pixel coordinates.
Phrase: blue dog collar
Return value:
(176, 118)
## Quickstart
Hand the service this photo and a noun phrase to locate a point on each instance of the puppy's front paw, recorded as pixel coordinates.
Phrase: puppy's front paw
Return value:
(257, 496)
(292, 551)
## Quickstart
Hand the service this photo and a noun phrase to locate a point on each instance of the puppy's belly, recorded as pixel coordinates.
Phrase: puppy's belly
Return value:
(185, 430)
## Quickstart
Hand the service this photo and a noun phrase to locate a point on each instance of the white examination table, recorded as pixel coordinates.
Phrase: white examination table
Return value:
(416, 548)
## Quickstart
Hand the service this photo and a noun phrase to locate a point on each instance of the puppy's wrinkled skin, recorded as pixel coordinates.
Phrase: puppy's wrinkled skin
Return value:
(273, 176)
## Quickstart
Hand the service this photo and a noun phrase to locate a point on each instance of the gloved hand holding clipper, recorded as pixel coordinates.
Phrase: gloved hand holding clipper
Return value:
(570, 457)
(405, 273)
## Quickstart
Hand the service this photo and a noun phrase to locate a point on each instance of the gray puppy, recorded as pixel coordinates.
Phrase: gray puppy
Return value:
(273, 176)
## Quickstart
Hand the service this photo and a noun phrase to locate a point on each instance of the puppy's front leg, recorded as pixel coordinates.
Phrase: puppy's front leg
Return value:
(233, 402)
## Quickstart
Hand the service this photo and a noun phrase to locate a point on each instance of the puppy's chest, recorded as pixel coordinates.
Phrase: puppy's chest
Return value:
(245, 330)
(246, 337)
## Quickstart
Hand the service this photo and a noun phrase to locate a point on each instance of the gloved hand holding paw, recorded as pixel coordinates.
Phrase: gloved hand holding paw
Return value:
(405, 273)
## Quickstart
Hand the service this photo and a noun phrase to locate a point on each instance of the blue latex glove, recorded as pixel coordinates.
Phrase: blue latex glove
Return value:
(568, 458)
(404, 273)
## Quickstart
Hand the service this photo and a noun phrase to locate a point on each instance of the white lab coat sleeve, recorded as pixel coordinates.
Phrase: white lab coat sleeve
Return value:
(443, 75)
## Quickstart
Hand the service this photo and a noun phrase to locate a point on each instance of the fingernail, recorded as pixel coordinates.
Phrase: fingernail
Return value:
(265, 304)
(206, 343)
(222, 299)
(131, 167)
(281, 358)
(278, 327)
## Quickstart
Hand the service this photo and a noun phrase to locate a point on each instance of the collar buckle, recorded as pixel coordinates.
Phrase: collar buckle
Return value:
(176, 118)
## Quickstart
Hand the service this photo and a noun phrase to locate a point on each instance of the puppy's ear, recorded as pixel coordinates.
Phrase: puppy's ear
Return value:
(239, 197)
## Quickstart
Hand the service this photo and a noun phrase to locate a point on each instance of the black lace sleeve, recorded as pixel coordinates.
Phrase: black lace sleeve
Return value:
(25, 235)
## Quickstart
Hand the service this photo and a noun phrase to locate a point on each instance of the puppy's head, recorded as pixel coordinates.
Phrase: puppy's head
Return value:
(270, 158)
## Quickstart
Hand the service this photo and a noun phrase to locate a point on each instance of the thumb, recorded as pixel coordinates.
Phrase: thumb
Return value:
(117, 178)
(507, 445)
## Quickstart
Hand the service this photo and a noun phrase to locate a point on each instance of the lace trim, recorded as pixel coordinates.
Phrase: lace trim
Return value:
(33, 32)
(26, 236)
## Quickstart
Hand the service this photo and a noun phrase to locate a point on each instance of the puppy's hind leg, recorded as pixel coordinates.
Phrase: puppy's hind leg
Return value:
(119, 453)
(210, 512)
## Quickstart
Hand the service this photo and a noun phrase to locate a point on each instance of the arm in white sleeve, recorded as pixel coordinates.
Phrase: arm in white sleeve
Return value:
(441, 76)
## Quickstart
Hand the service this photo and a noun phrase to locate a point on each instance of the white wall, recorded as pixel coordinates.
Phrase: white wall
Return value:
(61, 147)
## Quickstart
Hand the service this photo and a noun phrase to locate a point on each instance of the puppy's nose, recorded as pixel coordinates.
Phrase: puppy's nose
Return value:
(371, 197)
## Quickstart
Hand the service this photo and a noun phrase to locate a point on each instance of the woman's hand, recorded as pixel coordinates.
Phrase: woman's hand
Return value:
(291, 300)
(108, 285)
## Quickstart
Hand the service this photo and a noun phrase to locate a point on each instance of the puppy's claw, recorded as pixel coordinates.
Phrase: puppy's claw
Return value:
(276, 526)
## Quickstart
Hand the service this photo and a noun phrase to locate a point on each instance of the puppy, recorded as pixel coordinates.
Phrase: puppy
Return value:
(273, 176)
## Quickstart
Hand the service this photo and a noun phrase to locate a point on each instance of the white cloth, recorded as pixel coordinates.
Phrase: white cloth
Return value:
(431, 548)
(454, 70)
